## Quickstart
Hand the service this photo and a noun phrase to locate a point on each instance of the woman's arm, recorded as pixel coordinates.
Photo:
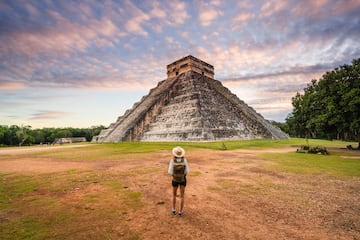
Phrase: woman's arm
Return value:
(171, 167)
(187, 169)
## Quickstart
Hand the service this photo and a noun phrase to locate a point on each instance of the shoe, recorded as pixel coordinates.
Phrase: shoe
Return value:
(173, 212)
(181, 214)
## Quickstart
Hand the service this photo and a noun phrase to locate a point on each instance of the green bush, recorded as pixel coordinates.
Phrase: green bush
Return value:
(313, 150)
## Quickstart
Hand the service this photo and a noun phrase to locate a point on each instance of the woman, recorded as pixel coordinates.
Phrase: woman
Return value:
(178, 168)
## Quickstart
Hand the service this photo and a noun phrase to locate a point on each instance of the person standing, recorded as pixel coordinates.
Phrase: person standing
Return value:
(178, 168)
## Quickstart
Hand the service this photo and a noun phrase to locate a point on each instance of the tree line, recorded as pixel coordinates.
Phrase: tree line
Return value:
(24, 135)
(329, 107)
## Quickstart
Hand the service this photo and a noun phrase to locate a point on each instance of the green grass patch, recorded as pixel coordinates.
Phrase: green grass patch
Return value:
(26, 228)
(116, 185)
(13, 187)
(195, 174)
(137, 171)
(66, 205)
(133, 200)
(235, 187)
(313, 164)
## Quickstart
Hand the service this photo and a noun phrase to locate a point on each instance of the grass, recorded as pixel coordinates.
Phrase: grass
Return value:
(63, 206)
(26, 228)
(195, 173)
(333, 165)
(76, 204)
(115, 151)
(13, 187)
(234, 187)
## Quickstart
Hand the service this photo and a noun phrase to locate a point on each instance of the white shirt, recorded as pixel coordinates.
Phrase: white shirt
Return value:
(171, 167)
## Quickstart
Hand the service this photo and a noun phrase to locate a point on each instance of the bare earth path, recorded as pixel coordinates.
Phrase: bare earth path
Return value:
(230, 195)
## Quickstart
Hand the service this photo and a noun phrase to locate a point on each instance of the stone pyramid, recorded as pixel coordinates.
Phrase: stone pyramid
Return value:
(189, 106)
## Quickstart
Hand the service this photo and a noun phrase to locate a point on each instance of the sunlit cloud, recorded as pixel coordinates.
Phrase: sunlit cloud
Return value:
(208, 12)
(44, 115)
(178, 12)
(12, 85)
(137, 20)
(271, 7)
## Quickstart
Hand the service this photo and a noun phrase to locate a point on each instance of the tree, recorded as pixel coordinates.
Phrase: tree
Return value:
(330, 107)
(22, 134)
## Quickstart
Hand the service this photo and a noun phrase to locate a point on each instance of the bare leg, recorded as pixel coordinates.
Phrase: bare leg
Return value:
(182, 193)
(174, 197)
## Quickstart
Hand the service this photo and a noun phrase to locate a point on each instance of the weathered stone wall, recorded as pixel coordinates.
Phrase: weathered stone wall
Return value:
(190, 63)
(69, 140)
(255, 119)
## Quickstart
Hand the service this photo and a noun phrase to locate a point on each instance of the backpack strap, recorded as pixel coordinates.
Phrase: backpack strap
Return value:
(181, 159)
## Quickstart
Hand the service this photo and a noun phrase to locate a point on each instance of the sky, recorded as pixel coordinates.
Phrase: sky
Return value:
(83, 63)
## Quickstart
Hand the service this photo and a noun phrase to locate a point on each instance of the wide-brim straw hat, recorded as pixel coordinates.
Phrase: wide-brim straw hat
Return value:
(178, 152)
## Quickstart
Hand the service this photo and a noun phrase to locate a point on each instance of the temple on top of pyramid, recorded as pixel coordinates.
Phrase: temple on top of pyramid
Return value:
(190, 105)
(190, 63)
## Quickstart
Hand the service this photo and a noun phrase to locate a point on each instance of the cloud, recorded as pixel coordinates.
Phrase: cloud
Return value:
(206, 17)
(157, 11)
(46, 115)
(244, 17)
(321, 9)
(178, 11)
(272, 7)
(293, 71)
(12, 85)
(208, 12)
(61, 38)
(136, 19)
(167, 14)
(140, 19)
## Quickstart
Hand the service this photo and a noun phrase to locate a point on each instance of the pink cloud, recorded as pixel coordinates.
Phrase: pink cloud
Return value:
(208, 16)
(157, 10)
(178, 12)
(135, 26)
(272, 7)
(244, 17)
(134, 19)
(61, 39)
(340, 7)
(165, 14)
(319, 9)
(49, 115)
(12, 85)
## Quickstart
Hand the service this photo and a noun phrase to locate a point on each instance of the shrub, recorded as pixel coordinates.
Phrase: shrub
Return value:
(313, 150)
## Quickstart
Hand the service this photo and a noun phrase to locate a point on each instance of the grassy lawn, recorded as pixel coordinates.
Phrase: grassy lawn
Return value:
(331, 165)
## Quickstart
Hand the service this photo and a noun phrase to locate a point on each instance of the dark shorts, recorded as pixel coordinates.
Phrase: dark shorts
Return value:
(176, 184)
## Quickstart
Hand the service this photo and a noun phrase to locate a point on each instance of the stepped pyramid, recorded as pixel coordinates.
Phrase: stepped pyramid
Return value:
(189, 106)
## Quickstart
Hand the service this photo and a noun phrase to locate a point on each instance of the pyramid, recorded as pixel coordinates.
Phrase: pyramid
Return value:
(189, 106)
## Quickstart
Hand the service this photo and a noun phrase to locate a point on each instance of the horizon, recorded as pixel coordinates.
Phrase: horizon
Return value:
(83, 64)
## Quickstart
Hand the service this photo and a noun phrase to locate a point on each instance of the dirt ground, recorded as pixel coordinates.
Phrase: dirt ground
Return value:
(230, 195)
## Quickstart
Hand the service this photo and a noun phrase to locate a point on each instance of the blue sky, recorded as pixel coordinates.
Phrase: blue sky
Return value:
(83, 63)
